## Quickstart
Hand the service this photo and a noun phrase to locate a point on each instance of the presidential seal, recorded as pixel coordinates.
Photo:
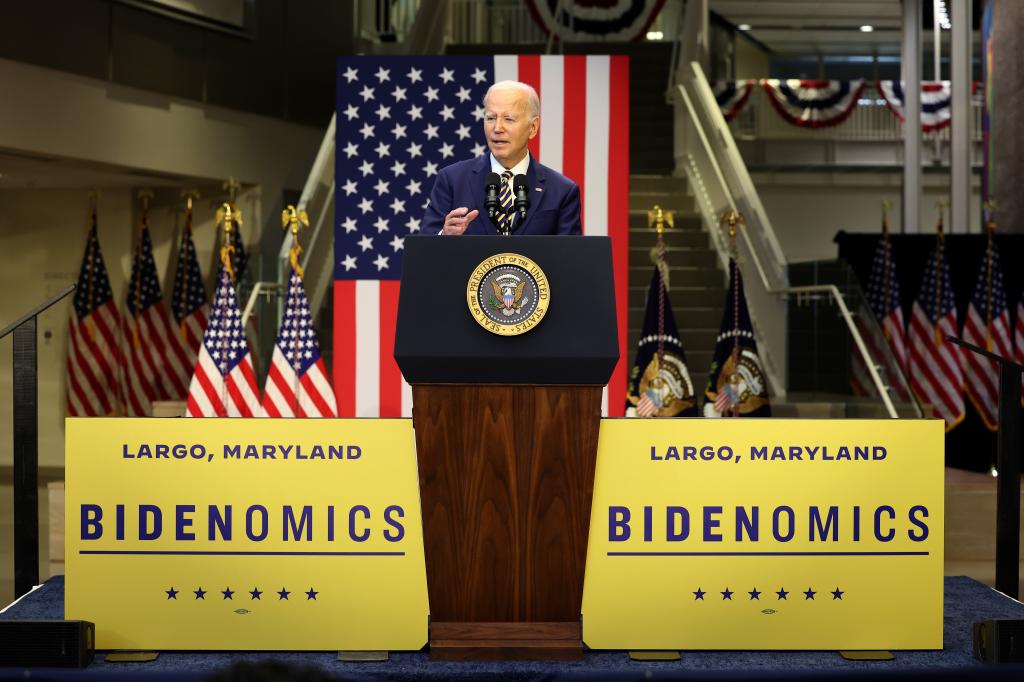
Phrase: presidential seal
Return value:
(664, 390)
(741, 387)
(508, 294)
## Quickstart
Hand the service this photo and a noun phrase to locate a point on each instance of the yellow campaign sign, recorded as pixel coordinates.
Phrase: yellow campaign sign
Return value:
(766, 534)
(249, 534)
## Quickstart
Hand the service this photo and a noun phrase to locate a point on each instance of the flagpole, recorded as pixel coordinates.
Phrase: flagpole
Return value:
(657, 218)
(886, 252)
(294, 220)
(94, 197)
(990, 229)
(231, 186)
(186, 235)
(940, 279)
(733, 218)
(225, 217)
(144, 195)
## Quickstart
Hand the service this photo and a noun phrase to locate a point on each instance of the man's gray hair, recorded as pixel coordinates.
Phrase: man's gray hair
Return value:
(532, 99)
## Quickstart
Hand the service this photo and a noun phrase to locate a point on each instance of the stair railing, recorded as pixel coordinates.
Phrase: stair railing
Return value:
(26, 444)
(707, 154)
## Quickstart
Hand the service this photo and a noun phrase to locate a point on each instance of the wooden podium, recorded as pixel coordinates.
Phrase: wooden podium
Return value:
(506, 437)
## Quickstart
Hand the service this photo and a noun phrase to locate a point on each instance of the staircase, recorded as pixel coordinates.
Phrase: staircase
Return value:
(696, 282)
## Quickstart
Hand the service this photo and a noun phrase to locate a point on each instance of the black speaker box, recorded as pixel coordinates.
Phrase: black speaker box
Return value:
(47, 643)
(999, 641)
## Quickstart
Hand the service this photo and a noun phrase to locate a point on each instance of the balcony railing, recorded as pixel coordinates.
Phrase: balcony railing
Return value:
(871, 121)
(493, 22)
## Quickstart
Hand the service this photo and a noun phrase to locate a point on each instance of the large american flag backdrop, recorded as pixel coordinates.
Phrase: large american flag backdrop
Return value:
(401, 119)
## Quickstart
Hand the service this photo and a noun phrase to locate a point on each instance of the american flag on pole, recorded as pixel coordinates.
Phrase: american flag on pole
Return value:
(93, 351)
(400, 120)
(154, 364)
(660, 383)
(1018, 335)
(224, 384)
(297, 384)
(188, 300)
(883, 296)
(736, 382)
(988, 326)
(936, 373)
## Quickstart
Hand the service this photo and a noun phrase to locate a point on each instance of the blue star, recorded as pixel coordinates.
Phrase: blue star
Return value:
(837, 594)
(755, 594)
(172, 593)
(200, 593)
(311, 594)
(727, 594)
(255, 593)
(809, 594)
(699, 594)
(228, 593)
(283, 594)
(782, 593)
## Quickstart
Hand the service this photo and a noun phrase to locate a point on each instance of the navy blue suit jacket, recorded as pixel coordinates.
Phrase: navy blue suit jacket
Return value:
(554, 199)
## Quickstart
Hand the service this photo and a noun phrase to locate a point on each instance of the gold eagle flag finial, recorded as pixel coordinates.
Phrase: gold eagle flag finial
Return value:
(295, 219)
(730, 219)
(231, 186)
(228, 219)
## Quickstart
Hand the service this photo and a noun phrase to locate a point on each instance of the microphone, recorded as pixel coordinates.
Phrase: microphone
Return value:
(522, 193)
(491, 195)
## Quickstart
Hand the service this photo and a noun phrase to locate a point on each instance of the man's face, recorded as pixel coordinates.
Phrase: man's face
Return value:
(508, 125)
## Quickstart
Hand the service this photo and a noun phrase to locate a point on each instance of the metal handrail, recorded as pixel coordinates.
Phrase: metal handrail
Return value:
(37, 310)
(782, 291)
(25, 441)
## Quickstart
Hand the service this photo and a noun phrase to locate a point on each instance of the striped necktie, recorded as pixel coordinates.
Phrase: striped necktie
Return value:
(504, 216)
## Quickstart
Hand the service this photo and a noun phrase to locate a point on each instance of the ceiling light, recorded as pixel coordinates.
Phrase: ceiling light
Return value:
(655, 35)
(867, 29)
(744, 27)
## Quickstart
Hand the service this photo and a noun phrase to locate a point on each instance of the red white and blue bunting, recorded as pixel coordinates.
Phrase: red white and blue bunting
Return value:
(935, 102)
(732, 96)
(576, 20)
(813, 103)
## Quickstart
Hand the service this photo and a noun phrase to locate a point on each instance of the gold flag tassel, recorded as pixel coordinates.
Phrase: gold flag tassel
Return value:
(231, 186)
(733, 219)
(294, 219)
(940, 279)
(658, 218)
(228, 219)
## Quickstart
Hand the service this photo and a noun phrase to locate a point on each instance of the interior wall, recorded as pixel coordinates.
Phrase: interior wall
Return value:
(42, 234)
(751, 60)
(807, 209)
(61, 115)
(166, 141)
(281, 64)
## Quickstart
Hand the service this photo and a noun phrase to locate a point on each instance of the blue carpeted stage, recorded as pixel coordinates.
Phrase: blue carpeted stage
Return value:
(966, 601)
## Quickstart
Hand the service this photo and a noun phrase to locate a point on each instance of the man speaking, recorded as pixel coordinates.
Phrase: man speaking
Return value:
(505, 191)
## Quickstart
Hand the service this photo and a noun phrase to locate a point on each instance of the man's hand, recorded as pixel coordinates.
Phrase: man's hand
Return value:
(458, 220)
